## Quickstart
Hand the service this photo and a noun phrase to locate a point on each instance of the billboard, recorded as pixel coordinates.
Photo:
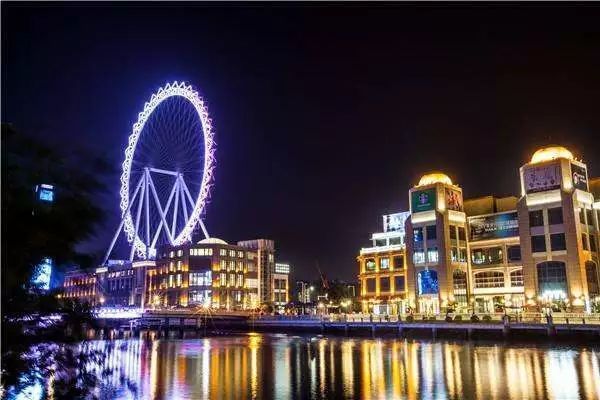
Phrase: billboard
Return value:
(423, 200)
(454, 200)
(540, 179)
(494, 226)
(579, 175)
(394, 222)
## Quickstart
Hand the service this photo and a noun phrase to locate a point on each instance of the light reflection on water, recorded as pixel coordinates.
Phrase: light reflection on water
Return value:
(263, 366)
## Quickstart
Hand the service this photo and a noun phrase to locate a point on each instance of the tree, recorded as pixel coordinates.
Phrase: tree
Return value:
(32, 231)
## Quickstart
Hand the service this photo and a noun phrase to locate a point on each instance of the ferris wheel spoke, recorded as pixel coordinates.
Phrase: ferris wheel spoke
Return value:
(137, 220)
(167, 207)
(183, 205)
(159, 208)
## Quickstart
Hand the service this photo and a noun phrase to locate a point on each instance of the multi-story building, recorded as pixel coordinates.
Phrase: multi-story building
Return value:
(281, 285)
(265, 250)
(81, 285)
(210, 273)
(488, 254)
(383, 269)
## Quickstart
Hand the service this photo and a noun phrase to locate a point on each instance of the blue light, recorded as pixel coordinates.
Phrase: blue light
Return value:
(45, 192)
(427, 282)
(42, 275)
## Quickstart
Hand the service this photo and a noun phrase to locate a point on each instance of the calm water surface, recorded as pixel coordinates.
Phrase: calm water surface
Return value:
(271, 366)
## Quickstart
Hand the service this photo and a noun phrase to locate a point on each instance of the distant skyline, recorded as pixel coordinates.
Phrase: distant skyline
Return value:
(324, 116)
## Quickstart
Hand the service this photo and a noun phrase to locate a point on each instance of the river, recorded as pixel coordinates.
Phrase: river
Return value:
(280, 366)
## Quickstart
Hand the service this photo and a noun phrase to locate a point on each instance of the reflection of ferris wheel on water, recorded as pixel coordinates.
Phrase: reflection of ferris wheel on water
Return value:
(167, 171)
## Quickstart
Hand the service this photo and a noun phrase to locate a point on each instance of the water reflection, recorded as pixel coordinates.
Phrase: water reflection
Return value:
(261, 366)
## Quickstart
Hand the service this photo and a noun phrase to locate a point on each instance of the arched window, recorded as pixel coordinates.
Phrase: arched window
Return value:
(459, 280)
(591, 273)
(516, 278)
(552, 279)
(489, 279)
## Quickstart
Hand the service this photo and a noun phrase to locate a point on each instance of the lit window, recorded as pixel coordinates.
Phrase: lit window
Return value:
(432, 254)
(223, 265)
(419, 257)
(240, 254)
(179, 253)
(178, 265)
(489, 279)
(222, 252)
(516, 278)
(370, 264)
(178, 280)
(384, 263)
(171, 281)
(418, 235)
(231, 253)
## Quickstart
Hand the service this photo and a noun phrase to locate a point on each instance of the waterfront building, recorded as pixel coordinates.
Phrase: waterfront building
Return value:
(281, 286)
(382, 274)
(81, 285)
(210, 273)
(538, 250)
(265, 250)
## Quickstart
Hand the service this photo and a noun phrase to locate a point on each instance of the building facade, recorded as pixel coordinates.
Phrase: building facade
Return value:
(281, 285)
(209, 274)
(538, 250)
(382, 277)
(265, 251)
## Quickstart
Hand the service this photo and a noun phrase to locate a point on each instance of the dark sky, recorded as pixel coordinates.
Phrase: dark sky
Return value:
(324, 115)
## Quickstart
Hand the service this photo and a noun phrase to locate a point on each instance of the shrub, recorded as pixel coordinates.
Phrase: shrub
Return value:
(410, 318)
(474, 318)
(432, 318)
(448, 318)
(487, 318)
(458, 318)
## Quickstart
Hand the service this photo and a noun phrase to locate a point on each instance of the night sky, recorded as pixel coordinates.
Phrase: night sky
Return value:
(325, 116)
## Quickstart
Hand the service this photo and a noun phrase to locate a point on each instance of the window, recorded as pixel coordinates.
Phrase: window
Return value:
(251, 267)
(231, 265)
(591, 273)
(384, 263)
(370, 264)
(592, 243)
(171, 267)
(223, 279)
(418, 235)
(487, 256)
(538, 243)
(536, 218)
(178, 265)
(582, 215)
(419, 257)
(452, 232)
(516, 278)
(384, 284)
(240, 254)
(179, 253)
(222, 252)
(432, 254)
(223, 264)
(231, 253)
(555, 216)
(398, 262)
(514, 253)
(380, 242)
(170, 280)
(178, 280)
(399, 284)
(462, 255)
(461, 234)
(459, 280)
(395, 241)
(172, 254)
(590, 216)
(489, 279)
(454, 254)
(584, 241)
(430, 230)
(552, 279)
(201, 278)
(557, 242)
(371, 285)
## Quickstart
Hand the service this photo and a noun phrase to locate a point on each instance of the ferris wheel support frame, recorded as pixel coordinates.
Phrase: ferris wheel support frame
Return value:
(144, 187)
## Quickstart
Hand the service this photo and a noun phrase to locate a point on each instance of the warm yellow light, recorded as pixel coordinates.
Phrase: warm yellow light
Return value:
(434, 177)
(551, 153)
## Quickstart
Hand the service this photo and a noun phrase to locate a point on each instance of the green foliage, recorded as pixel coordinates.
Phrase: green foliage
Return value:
(31, 231)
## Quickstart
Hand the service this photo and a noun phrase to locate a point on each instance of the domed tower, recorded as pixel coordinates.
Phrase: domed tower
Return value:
(436, 245)
(558, 231)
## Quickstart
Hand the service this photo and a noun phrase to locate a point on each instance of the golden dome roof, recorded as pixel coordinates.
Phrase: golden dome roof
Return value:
(551, 153)
(434, 177)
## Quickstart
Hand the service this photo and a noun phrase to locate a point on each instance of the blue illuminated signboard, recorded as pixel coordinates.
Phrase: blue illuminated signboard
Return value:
(45, 192)
(494, 226)
(427, 282)
(42, 274)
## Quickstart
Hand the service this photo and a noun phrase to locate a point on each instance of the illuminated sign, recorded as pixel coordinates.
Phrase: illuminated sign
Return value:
(427, 282)
(41, 278)
(45, 192)
(395, 222)
(454, 200)
(281, 268)
(540, 179)
(423, 200)
(579, 175)
(494, 226)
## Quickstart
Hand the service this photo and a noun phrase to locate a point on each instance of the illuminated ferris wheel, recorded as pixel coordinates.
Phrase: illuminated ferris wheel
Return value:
(167, 172)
